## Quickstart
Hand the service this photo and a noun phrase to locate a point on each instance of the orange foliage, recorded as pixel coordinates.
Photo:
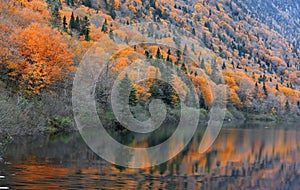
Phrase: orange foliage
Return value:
(142, 92)
(230, 82)
(45, 57)
(234, 97)
(121, 64)
(202, 84)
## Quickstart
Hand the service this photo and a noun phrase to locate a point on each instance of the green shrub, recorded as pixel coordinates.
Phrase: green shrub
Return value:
(58, 125)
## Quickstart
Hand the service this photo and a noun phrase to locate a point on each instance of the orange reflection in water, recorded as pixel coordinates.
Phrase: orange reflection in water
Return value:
(247, 156)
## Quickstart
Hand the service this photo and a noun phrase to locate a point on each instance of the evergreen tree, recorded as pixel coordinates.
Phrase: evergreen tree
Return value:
(169, 59)
(183, 68)
(85, 30)
(72, 21)
(111, 35)
(178, 53)
(126, 40)
(77, 23)
(104, 26)
(87, 3)
(56, 18)
(126, 85)
(202, 102)
(168, 56)
(65, 24)
(147, 54)
(214, 68)
(155, 90)
(158, 54)
(185, 50)
(287, 105)
(194, 32)
(224, 66)
(169, 51)
(112, 10)
(169, 94)
(265, 89)
(202, 65)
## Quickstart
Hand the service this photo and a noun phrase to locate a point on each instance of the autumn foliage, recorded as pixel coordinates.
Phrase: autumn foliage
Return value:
(44, 57)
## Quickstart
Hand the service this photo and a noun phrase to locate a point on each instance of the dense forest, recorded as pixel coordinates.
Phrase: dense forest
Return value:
(43, 41)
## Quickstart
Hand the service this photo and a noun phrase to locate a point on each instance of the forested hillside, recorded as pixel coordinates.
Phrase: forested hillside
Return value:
(253, 43)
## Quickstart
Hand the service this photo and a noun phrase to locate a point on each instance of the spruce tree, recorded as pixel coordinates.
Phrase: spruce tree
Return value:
(169, 59)
(287, 105)
(57, 17)
(85, 30)
(77, 23)
(65, 23)
(168, 94)
(202, 65)
(155, 90)
(104, 27)
(185, 50)
(183, 68)
(112, 10)
(169, 52)
(194, 32)
(72, 21)
(277, 87)
(158, 54)
(224, 66)
(125, 85)
(265, 89)
(147, 54)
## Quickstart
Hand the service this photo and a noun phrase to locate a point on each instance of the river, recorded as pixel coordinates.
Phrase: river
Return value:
(241, 158)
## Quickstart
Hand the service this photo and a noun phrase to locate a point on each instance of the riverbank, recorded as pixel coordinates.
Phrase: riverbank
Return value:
(51, 114)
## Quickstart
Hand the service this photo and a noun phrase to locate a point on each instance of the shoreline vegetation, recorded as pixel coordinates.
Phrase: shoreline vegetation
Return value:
(50, 115)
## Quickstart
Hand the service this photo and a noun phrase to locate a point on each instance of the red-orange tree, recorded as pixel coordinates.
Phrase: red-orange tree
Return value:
(43, 58)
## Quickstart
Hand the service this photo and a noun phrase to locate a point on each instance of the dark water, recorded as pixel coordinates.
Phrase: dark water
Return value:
(256, 158)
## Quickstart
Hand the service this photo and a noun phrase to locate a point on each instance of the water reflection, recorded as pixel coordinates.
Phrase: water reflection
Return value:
(239, 159)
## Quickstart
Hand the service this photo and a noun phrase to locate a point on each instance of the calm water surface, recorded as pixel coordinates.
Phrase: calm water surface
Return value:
(256, 158)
